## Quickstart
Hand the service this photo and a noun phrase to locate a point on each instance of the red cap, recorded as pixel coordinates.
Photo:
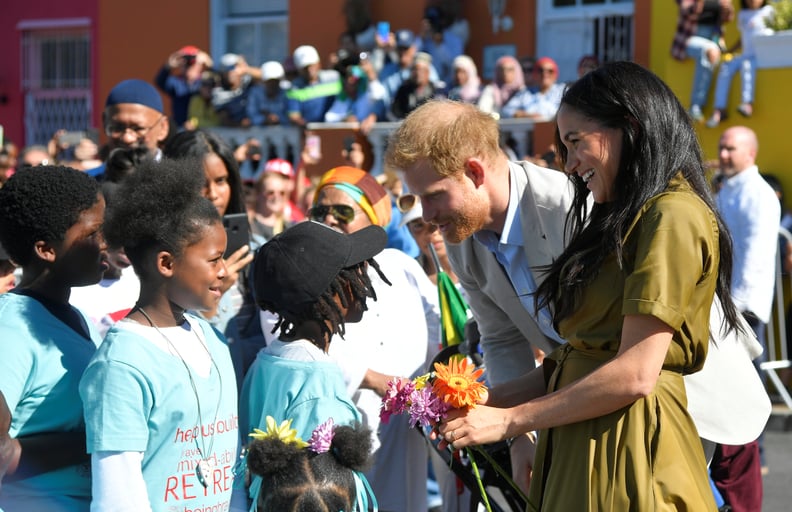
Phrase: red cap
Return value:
(546, 60)
(280, 166)
(189, 50)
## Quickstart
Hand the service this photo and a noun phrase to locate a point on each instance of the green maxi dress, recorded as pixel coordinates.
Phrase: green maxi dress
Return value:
(646, 456)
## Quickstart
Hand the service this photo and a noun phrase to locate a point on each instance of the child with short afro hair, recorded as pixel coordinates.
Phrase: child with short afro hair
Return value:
(160, 394)
(51, 225)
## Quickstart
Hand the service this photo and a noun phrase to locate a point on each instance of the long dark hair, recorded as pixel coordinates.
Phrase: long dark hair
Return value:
(658, 142)
(198, 144)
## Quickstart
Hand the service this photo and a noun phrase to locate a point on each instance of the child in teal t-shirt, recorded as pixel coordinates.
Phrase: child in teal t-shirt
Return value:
(314, 278)
(51, 226)
(160, 393)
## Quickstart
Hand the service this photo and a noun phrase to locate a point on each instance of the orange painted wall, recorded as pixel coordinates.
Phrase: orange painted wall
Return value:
(135, 39)
(316, 23)
(642, 28)
(523, 35)
(321, 27)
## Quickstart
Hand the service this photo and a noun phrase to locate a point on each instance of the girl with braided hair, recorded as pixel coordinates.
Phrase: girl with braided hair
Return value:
(325, 475)
(314, 279)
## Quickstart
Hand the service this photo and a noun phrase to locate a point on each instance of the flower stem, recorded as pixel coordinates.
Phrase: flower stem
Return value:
(478, 480)
(498, 469)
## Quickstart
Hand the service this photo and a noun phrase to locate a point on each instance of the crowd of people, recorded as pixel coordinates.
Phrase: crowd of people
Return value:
(367, 79)
(183, 331)
(700, 36)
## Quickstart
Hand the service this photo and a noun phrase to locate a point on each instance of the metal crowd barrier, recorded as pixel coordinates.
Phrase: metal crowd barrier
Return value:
(287, 141)
(777, 351)
(281, 138)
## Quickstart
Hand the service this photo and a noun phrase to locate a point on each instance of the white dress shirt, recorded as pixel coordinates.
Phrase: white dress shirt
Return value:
(752, 212)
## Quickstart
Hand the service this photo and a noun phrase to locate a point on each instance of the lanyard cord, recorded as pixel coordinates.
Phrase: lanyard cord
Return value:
(202, 448)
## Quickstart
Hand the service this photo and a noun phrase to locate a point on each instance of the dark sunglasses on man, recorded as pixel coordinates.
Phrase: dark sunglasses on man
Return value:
(343, 213)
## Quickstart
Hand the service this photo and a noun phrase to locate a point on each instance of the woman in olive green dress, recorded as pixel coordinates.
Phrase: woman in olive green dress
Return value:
(631, 294)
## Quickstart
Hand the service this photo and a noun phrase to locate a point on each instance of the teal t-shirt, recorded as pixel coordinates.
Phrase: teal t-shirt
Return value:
(139, 398)
(306, 392)
(41, 362)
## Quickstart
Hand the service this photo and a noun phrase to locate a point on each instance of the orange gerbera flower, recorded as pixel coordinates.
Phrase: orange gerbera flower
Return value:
(457, 383)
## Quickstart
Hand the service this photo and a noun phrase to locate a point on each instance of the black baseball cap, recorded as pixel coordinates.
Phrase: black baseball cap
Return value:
(297, 266)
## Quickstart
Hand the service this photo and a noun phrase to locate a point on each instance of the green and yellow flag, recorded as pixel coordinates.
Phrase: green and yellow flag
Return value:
(453, 308)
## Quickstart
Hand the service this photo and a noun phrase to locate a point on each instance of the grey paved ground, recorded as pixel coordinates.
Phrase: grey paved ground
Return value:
(778, 447)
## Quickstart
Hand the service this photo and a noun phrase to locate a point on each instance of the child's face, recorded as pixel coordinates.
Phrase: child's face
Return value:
(7, 280)
(82, 255)
(198, 273)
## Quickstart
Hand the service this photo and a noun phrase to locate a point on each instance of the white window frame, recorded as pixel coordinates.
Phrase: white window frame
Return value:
(545, 10)
(220, 21)
(60, 104)
(546, 14)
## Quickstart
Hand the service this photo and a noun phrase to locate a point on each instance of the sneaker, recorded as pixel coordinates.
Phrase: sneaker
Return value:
(746, 109)
(696, 114)
(714, 119)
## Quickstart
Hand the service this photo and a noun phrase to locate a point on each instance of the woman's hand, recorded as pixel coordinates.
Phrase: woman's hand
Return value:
(474, 426)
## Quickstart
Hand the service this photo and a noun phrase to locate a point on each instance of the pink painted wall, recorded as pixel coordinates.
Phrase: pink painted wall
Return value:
(12, 107)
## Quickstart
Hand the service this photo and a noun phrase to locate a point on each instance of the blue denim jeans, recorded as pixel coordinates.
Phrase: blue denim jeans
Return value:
(697, 47)
(747, 67)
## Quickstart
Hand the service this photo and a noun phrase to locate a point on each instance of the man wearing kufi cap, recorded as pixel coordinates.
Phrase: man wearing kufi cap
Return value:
(133, 117)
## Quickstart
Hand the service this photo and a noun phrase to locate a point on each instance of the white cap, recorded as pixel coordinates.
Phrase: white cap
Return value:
(272, 70)
(229, 61)
(305, 56)
(416, 212)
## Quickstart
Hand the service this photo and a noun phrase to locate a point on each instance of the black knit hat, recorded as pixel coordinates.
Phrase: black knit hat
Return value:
(297, 266)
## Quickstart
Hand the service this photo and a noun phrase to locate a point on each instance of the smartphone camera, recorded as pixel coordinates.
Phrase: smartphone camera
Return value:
(71, 138)
(383, 31)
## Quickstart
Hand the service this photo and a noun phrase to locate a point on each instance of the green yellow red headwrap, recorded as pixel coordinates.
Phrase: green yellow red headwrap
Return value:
(363, 188)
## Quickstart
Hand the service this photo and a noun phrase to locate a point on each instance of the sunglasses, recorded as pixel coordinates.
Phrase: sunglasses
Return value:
(343, 213)
(419, 226)
(406, 202)
(545, 71)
